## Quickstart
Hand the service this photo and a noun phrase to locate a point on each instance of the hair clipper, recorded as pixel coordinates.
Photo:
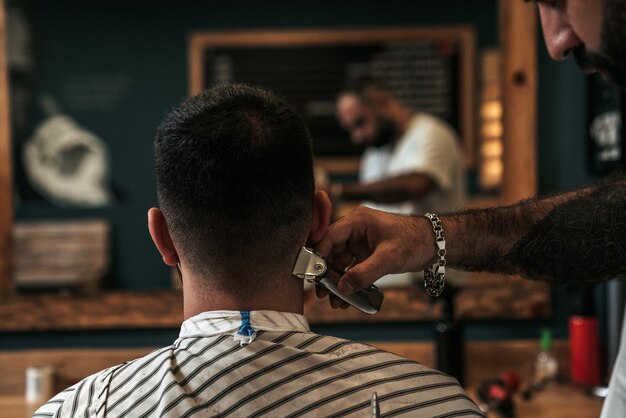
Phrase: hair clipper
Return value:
(312, 266)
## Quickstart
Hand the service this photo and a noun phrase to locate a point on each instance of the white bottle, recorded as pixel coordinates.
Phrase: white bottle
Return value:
(39, 387)
(546, 365)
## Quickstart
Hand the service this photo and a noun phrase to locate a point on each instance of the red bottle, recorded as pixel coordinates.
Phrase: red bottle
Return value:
(584, 350)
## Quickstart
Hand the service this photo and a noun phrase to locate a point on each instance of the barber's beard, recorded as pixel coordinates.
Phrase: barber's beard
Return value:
(611, 60)
(591, 62)
(385, 134)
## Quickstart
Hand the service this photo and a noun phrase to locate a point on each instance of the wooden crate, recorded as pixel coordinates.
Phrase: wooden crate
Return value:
(58, 254)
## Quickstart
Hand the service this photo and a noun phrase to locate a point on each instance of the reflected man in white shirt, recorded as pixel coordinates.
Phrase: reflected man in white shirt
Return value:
(413, 162)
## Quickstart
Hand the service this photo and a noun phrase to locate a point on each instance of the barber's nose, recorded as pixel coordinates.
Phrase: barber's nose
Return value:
(560, 38)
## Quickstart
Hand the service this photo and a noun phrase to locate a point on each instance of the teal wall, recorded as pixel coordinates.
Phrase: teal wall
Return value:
(562, 124)
(146, 43)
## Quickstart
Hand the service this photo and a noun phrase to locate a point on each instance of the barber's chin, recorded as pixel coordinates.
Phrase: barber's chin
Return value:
(587, 67)
(611, 77)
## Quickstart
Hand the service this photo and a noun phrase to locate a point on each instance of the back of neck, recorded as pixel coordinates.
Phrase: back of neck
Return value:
(285, 298)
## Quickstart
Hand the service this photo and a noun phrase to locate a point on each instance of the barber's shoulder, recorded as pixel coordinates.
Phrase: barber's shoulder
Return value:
(434, 125)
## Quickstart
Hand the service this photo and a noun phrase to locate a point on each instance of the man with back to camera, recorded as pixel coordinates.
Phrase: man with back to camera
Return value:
(413, 162)
(235, 185)
(570, 237)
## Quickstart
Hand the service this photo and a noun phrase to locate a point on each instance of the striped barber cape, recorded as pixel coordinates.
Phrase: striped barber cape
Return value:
(262, 364)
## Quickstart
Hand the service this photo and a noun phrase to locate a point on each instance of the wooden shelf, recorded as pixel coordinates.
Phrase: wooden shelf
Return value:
(108, 310)
(163, 309)
(491, 298)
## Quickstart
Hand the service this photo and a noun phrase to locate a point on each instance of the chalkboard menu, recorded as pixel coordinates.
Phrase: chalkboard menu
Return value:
(425, 72)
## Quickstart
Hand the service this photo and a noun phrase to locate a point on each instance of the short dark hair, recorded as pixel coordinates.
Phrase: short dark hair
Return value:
(234, 174)
(361, 85)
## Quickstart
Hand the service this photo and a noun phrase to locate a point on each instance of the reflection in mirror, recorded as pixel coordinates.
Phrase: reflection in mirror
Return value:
(85, 113)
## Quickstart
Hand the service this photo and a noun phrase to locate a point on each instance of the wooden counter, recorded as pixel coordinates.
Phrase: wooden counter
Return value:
(491, 297)
(555, 401)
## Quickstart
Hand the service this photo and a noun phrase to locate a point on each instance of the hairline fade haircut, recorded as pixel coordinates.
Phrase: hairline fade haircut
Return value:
(234, 174)
(361, 87)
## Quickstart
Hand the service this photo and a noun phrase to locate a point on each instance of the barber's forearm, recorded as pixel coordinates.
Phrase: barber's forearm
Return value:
(393, 190)
(479, 239)
(576, 236)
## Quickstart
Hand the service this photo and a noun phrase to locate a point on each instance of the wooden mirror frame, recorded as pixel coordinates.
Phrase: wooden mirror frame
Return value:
(464, 36)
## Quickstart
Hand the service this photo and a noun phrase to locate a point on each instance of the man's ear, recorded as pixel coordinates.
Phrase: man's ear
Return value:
(322, 210)
(161, 237)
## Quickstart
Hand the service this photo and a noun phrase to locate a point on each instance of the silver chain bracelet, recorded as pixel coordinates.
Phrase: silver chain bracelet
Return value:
(434, 281)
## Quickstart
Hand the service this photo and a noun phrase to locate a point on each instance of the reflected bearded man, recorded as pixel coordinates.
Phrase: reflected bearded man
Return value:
(412, 163)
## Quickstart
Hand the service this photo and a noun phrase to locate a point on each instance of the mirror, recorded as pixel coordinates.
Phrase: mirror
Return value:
(107, 91)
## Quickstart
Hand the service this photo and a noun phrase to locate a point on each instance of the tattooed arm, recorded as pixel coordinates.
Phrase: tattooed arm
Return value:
(574, 236)
(577, 236)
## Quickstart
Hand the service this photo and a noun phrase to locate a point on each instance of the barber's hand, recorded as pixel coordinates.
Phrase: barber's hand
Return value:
(372, 244)
(335, 302)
